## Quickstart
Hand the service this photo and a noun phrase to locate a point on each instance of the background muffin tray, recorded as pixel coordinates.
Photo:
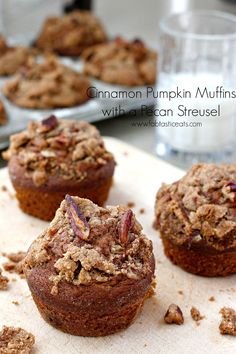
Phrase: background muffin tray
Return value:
(90, 111)
(137, 178)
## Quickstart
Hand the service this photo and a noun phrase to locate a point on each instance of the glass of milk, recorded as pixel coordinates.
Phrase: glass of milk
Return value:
(197, 88)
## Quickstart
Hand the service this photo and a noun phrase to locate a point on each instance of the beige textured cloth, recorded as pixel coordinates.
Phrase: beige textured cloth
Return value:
(137, 178)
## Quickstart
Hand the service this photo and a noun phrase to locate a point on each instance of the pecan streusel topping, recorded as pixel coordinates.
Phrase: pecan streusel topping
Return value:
(200, 207)
(61, 148)
(86, 244)
(71, 34)
(121, 62)
(47, 85)
(12, 58)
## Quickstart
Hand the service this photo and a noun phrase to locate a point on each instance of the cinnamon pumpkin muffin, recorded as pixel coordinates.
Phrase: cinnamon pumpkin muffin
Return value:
(121, 62)
(47, 85)
(91, 270)
(196, 217)
(52, 158)
(12, 58)
(71, 33)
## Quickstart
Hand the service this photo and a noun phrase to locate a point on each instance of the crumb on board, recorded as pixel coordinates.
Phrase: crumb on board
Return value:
(15, 303)
(211, 298)
(174, 315)
(3, 281)
(15, 263)
(151, 291)
(142, 211)
(196, 315)
(228, 322)
(181, 292)
(130, 204)
(4, 188)
(15, 341)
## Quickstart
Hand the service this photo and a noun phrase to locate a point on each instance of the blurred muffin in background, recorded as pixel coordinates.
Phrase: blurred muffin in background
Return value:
(47, 85)
(12, 58)
(121, 62)
(71, 34)
(3, 114)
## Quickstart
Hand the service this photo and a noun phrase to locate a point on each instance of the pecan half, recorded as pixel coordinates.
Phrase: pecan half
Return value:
(231, 186)
(125, 225)
(78, 222)
(50, 123)
(174, 315)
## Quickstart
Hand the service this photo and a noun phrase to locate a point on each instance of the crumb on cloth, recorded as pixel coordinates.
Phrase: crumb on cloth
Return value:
(3, 281)
(228, 322)
(15, 341)
(196, 315)
(15, 263)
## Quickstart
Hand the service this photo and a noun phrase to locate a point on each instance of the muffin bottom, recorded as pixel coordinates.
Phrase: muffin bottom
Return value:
(200, 263)
(87, 326)
(43, 204)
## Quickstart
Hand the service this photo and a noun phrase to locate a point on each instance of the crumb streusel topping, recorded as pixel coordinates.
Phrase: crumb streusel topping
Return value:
(55, 147)
(121, 62)
(71, 33)
(200, 207)
(87, 243)
(46, 85)
(12, 58)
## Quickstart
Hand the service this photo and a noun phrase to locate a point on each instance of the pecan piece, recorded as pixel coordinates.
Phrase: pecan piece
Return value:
(231, 186)
(174, 315)
(50, 123)
(78, 222)
(125, 225)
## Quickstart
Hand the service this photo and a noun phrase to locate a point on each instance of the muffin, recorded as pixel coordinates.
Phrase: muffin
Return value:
(121, 62)
(71, 33)
(3, 114)
(12, 58)
(47, 85)
(196, 217)
(52, 158)
(91, 270)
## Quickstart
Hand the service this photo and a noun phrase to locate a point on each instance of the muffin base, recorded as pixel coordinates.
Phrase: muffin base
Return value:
(87, 326)
(98, 309)
(200, 263)
(43, 204)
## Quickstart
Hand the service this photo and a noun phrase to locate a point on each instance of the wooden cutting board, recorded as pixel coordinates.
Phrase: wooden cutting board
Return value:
(137, 178)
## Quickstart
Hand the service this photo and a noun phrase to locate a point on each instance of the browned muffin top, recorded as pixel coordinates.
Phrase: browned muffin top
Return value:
(87, 243)
(121, 62)
(12, 58)
(61, 148)
(70, 34)
(200, 207)
(47, 85)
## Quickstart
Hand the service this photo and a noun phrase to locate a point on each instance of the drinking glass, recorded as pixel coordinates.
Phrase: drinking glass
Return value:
(197, 54)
